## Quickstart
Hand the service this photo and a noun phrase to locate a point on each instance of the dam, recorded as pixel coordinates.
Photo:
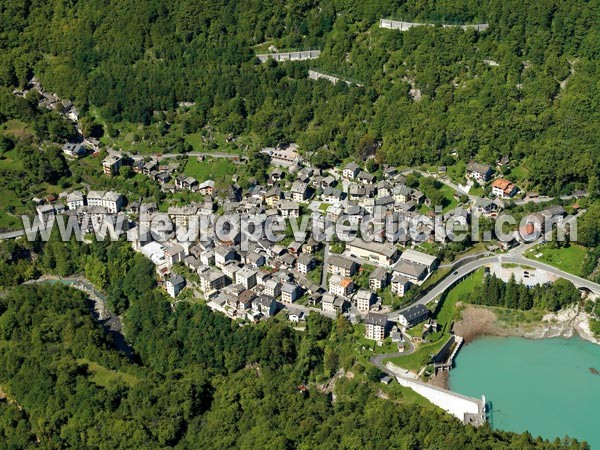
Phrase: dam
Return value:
(469, 410)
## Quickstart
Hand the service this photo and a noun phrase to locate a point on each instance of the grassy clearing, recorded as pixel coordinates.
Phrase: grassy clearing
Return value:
(103, 376)
(570, 259)
(219, 169)
(518, 174)
(446, 313)
(11, 161)
(416, 360)
(16, 128)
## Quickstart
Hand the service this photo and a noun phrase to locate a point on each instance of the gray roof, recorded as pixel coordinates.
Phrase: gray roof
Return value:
(409, 268)
(339, 261)
(376, 319)
(415, 312)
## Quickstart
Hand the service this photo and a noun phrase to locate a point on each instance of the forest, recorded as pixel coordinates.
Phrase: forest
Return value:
(513, 295)
(538, 102)
(199, 381)
(194, 378)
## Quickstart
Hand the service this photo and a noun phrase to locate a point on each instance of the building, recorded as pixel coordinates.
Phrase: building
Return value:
(265, 304)
(337, 265)
(364, 299)
(289, 208)
(503, 188)
(332, 304)
(174, 254)
(376, 326)
(112, 201)
(413, 315)
(246, 277)
(112, 164)
(299, 191)
(290, 293)
(73, 150)
(340, 286)
(400, 285)
(414, 272)
(75, 200)
(379, 253)
(305, 263)
(212, 279)
(223, 255)
(45, 212)
(272, 288)
(479, 172)
(422, 259)
(174, 285)
(379, 279)
(351, 171)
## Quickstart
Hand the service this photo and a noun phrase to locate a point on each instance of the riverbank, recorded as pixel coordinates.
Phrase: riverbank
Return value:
(478, 321)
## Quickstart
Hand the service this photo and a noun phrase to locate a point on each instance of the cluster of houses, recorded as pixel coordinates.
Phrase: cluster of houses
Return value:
(49, 100)
(483, 173)
(255, 280)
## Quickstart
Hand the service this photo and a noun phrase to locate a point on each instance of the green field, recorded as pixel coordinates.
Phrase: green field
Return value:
(445, 316)
(570, 259)
(9, 160)
(219, 169)
(103, 376)
(16, 128)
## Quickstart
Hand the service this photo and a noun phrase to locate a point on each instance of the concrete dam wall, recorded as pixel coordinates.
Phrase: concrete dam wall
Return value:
(469, 410)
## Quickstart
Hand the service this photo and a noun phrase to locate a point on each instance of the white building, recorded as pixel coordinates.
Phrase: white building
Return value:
(376, 326)
(75, 200)
(364, 299)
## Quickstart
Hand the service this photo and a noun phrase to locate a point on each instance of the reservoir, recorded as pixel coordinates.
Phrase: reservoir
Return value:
(542, 386)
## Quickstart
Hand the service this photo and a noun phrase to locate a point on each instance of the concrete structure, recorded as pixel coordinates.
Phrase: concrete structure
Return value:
(342, 287)
(503, 188)
(422, 259)
(380, 253)
(75, 199)
(337, 265)
(174, 285)
(290, 293)
(364, 299)
(112, 164)
(400, 285)
(290, 56)
(413, 315)
(376, 326)
(405, 26)
(314, 75)
(468, 410)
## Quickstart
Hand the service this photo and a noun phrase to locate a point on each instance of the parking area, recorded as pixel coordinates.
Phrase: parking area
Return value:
(526, 275)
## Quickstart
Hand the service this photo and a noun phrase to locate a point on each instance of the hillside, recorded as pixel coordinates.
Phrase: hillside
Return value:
(527, 87)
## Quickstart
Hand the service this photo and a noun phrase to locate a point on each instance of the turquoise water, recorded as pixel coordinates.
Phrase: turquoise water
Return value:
(541, 386)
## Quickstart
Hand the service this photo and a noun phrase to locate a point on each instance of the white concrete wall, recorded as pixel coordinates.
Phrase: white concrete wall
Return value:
(453, 403)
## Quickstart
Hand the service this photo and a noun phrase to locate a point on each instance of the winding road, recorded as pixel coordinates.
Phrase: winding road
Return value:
(466, 269)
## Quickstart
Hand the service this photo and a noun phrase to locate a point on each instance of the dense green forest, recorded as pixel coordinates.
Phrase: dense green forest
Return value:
(199, 381)
(548, 297)
(125, 60)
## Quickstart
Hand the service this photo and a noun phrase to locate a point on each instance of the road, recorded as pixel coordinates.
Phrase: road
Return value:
(471, 267)
(378, 360)
(325, 266)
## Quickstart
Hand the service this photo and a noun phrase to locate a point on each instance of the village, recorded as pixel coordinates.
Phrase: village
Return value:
(299, 274)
